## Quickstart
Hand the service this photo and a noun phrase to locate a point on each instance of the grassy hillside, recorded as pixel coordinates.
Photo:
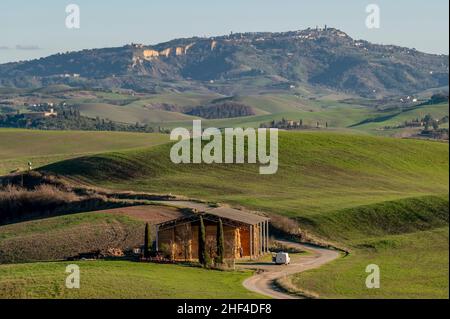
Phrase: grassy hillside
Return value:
(18, 147)
(318, 173)
(59, 238)
(412, 266)
(271, 106)
(387, 218)
(167, 109)
(408, 240)
(267, 106)
(131, 109)
(396, 118)
(130, 113)
(111, 279)
(65, 236)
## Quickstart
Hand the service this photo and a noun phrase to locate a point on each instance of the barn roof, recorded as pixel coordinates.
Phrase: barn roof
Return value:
(237, 215)
(228, 213)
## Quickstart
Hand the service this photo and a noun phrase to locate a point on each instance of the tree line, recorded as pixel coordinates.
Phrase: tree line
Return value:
(69, 119)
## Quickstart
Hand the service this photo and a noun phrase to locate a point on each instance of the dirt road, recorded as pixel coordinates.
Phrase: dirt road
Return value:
(263, 282)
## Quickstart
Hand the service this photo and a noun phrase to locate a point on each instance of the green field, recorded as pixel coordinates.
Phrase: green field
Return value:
(18, 147)
(412, 265)
(130, 113)
(267, 106)
(120, 279)
(270, 107)
(324, 108)
(339, 111)
(393, 119)
(318, 173)
(408, 239)
(124, 108)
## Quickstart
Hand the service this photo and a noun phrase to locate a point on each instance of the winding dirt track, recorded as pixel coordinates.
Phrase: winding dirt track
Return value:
(263, 282)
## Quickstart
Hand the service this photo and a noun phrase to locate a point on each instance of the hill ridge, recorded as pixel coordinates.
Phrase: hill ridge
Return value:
(319, 57)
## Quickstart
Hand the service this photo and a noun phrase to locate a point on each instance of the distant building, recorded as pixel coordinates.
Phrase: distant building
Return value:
(51, 113)
(40, 115)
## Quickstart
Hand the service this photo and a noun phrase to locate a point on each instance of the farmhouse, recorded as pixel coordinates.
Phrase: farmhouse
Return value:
(40, 115)
(246, 235)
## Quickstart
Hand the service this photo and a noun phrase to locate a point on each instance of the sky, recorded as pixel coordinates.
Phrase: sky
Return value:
(33, 29)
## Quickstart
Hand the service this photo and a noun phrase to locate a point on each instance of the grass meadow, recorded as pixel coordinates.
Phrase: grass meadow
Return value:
(121, 279)
(18, 147)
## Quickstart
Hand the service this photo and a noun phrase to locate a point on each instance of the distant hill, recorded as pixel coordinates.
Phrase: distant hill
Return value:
(326, 58)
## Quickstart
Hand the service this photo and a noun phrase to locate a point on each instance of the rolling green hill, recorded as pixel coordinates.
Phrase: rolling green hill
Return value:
(130, 113)
(376, 124)
(386, 218)
(408, 239)
(169, 109)
(266, 107)
(271, 106)
(318, 172)
(126, 108)
(18, 147)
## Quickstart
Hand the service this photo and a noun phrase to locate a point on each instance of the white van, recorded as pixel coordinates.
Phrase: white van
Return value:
(282, 259)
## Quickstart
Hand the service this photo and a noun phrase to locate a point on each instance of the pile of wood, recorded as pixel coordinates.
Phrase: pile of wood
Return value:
(115, 252)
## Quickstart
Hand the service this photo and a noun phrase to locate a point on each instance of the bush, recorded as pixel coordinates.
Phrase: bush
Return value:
(16, 202)
(19, 204)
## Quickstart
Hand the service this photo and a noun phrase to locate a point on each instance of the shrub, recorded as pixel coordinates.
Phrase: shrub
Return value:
(19, 204)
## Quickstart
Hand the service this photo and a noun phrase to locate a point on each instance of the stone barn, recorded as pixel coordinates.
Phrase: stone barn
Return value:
(246, 235)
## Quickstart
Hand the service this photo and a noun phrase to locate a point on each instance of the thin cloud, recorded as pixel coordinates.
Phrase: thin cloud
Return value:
(27, 47)
(4, 47)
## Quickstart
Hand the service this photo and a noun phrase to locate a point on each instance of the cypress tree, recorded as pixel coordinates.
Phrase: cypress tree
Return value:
(203, 256)
(220, 243)
(147, 241)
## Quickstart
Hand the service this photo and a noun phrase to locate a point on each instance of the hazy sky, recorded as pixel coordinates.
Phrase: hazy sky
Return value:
(31, 29)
